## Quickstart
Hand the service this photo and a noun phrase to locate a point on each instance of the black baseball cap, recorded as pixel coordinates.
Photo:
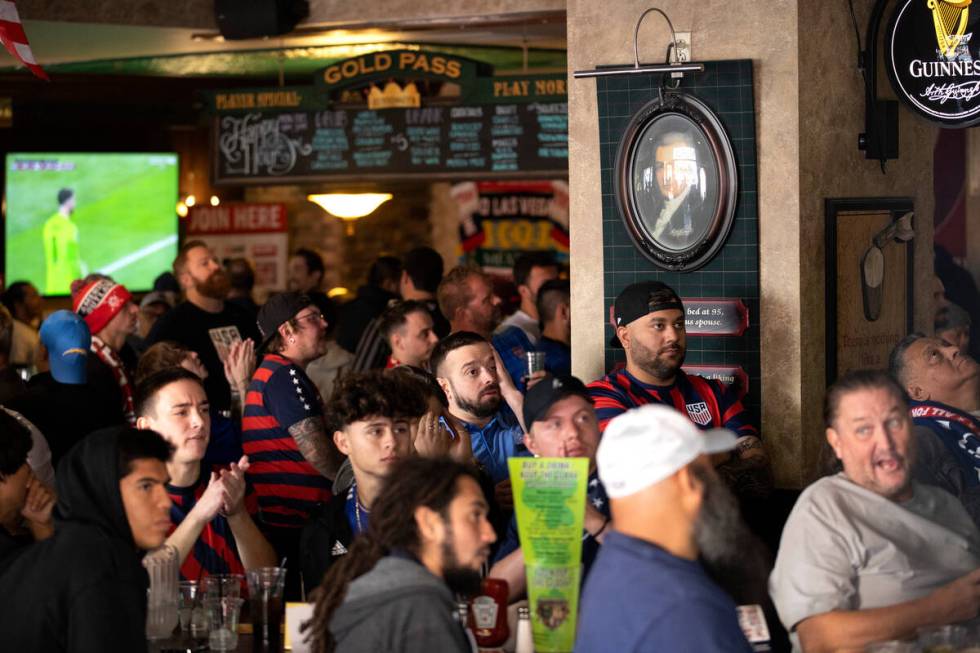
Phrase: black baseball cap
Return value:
(637, 300)
(279, 309)
(548, 391)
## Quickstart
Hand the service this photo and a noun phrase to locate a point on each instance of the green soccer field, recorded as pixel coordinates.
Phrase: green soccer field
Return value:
(124, 208)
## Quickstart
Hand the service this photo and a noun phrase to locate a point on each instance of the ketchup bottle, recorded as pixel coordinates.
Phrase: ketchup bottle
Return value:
(488, 613)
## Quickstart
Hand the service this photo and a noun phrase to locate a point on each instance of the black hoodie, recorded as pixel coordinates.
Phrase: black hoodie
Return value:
(84, 589)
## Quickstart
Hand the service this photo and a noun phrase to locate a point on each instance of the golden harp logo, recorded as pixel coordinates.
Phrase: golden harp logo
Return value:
(950, 18)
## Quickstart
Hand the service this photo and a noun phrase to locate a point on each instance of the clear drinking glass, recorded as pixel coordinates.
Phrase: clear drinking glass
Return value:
(942, 639)
(193, 617)
(161, 598)
(892, 646)
(265, 587)
(223, 622)
(218, 586)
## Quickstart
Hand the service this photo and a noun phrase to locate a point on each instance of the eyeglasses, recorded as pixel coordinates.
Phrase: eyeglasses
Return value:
(311, 317)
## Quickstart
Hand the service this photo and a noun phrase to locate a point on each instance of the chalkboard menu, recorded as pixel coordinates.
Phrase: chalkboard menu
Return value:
(451, 141)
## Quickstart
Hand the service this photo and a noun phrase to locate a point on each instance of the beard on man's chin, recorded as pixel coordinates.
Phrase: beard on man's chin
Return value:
(657, 364)
(216, 286)
(482, 408)
(462, 580)
(459, 579)
(730, 553)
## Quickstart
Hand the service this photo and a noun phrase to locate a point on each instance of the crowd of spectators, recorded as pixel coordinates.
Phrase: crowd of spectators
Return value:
(367, 444)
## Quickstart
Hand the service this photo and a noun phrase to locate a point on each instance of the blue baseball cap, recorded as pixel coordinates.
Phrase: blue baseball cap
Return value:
(67, 339)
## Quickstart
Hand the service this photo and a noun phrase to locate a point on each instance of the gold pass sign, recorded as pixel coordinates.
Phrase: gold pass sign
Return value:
(399, 64)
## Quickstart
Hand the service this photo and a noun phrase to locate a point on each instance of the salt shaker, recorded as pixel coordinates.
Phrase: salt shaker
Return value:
(525, 638)
(463, 617)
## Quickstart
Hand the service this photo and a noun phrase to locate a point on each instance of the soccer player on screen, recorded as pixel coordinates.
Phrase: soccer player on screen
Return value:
(61, 260)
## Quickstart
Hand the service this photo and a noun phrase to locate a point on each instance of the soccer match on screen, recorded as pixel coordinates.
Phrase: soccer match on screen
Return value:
(69, 215)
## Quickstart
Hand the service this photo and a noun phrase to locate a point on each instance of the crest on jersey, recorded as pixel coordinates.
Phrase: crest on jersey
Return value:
(699, 413)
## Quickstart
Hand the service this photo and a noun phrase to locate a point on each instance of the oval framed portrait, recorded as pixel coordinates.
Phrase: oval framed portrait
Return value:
(676, 182)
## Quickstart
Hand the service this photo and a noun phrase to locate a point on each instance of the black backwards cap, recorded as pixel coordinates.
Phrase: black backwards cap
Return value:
(637, 300)
(547, 392)
(279, 309)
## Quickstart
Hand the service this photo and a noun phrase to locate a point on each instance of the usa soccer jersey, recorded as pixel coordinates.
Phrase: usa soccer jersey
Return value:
(287, 485)
(707, 403)
(215, 551)
(959, 432)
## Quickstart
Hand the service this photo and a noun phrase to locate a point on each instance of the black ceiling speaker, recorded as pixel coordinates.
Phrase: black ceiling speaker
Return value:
(249, 19)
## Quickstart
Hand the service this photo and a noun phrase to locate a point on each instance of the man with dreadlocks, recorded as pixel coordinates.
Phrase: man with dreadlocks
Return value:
(428, 538)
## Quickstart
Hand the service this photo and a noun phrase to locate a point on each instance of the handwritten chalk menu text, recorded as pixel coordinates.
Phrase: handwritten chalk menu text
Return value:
(449, 141)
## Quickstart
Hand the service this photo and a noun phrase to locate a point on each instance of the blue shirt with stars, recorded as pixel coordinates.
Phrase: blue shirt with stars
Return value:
(500, 439)
(596, 496)
(357, 516)
(288, 486)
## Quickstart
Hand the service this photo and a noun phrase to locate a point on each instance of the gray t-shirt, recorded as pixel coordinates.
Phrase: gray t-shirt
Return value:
(847, 548)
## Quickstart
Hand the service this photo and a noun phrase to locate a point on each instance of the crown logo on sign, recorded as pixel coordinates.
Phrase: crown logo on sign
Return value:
(394, 97)
(950, 18)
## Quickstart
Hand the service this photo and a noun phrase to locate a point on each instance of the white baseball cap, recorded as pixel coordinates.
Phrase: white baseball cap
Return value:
(645, 445)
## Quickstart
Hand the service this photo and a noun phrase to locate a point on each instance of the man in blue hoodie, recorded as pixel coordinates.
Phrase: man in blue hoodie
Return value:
(84, 589)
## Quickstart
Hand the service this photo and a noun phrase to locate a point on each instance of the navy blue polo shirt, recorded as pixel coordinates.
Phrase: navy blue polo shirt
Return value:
(500, 439)
(639, 598)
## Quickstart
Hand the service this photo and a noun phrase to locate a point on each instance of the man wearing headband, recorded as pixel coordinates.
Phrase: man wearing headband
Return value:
(649, 322)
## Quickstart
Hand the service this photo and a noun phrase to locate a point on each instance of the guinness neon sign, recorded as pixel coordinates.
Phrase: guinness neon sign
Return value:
(932, 54)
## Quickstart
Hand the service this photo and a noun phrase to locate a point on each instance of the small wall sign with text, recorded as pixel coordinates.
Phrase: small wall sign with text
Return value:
(731, 375)
(932, 56)
(715, 317)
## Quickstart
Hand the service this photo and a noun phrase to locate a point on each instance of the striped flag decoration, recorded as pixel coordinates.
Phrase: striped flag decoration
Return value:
(14, 38)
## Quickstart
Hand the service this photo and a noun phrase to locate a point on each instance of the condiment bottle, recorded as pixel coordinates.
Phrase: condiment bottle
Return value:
(488, 613)
(525, 638)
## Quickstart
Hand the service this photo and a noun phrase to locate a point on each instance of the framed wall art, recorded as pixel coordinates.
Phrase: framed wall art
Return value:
(676, 182)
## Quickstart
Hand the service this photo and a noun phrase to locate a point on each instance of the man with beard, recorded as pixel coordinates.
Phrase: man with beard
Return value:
(943, 384)
(466, 299)
(62, 263)
(292, 461)
(647, 590)
(561, 424)
(470, 373)
(649, 320)
(205, 323)
(869, 554)
(428, 539)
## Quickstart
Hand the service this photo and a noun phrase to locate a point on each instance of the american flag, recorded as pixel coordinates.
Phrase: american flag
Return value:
(15, 40)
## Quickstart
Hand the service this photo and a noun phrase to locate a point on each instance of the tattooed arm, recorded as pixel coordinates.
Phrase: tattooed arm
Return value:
(747, 471)
(311, 438)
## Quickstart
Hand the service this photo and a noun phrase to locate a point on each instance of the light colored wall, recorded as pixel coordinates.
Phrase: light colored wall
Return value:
(200, 13)
(343, 11)
(831, 99)
(765, 32)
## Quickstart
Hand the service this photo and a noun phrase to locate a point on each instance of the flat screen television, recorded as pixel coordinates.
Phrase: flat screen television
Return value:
(71, 214)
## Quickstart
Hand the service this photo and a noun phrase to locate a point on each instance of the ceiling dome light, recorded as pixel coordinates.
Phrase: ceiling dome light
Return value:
(350, 206)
